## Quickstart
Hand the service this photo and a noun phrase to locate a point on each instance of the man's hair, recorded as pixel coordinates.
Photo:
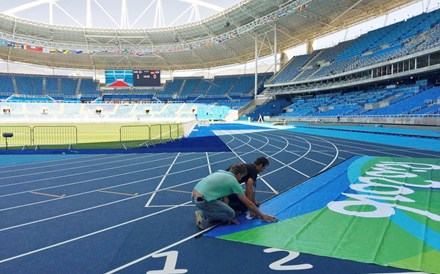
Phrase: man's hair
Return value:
(261, 161)
(238, 168)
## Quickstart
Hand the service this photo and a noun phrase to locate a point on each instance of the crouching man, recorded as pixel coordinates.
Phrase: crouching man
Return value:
(208, 193)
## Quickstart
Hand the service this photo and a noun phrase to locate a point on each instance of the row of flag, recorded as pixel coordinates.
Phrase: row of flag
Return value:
(171, 48)
(38, 48)
(302, 7)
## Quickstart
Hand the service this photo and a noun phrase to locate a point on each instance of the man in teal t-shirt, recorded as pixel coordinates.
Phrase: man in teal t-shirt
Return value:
(208, 192)
(218, 185)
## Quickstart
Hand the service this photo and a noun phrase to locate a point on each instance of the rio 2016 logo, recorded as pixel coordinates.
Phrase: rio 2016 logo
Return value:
(385, 187)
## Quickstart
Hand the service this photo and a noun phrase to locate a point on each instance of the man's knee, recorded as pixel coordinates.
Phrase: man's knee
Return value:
(228, 214)
(231, 214)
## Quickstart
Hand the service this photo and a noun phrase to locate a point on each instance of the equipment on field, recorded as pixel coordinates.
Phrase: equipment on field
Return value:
(7, 135)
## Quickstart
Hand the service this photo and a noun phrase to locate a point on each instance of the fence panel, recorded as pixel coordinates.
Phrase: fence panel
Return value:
(156, 133)
(22, 135)
(55, 135)
(175, 131)
(134, 133)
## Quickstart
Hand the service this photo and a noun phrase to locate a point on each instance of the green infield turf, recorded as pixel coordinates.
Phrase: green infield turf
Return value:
(89, 135)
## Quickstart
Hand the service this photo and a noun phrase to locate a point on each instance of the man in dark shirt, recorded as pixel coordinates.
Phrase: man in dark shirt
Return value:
(208, 191)
(250, 181)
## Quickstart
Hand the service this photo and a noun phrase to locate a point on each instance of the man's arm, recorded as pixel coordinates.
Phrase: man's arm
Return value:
(250, 193)
(252, 207)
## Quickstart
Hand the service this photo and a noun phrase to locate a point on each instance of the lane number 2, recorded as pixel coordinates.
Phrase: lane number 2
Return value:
(280, 264)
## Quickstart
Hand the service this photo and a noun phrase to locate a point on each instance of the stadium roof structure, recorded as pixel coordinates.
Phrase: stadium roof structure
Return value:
(234, 36)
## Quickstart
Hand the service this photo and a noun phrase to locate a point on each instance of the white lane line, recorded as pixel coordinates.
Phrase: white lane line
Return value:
(177, 190)
(161, 181)
(48, 195)
(294, 161)
(263, 191)
(93, 207)
(93, 179)
(297, 154)
(264, 181)
(240, 146)
(209, 164)
(375, 147)
(119, 193)
(53, 163)
(320, 151)
(70, 167)
(334, 158)
(284, 149)
(104, 188)
(161, 206)
(160, 250)
(89, 234)
(279, 151)
(94, 171)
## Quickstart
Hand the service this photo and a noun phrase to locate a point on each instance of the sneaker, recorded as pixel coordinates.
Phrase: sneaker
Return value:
(250, 216)
(199, 219)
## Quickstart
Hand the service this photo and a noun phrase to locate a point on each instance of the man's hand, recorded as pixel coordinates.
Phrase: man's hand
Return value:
(234, 221)
(268, 218)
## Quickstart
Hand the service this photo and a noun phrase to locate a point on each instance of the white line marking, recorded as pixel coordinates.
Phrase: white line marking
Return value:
(161, 181)
(52, 163)
(49, 195)
(177, 190)
(89, 234)
(95, 190)
(159, 250)
(263, 191)
(160, 206)
(119, 193)
(70, 167)
(209, 164)
(264, 181)
(93, 207)
(238, 131)
(94, 171)
(334, 158)
(93, 179)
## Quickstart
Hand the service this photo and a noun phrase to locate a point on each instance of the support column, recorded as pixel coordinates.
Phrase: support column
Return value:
(256, 66)
(309, 47)
(275, 49)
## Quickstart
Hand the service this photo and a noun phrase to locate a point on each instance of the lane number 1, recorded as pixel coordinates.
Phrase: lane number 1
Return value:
(170, 263)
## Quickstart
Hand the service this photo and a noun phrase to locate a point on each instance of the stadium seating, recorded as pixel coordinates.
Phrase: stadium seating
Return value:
(6, 87)
(415, 34)
(410, 104)
(186, 94)
(29, 85)
(189, 86)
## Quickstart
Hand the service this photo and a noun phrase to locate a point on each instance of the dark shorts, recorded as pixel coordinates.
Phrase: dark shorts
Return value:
(236, 204)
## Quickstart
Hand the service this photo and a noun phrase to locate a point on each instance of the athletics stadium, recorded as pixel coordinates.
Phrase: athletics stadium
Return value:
(112, 111)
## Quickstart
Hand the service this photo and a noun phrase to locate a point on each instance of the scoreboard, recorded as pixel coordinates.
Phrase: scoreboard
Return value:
(132, 78)
(146, 78)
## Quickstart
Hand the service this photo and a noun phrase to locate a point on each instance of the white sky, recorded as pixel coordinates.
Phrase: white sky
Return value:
(115, 13)
(172, 8)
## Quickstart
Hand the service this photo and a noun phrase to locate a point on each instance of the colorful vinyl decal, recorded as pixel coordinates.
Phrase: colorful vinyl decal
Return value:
(369, 209)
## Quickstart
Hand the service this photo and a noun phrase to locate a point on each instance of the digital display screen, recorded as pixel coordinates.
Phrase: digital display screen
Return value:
(119, 78)
(146, 78)
(132, 78)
